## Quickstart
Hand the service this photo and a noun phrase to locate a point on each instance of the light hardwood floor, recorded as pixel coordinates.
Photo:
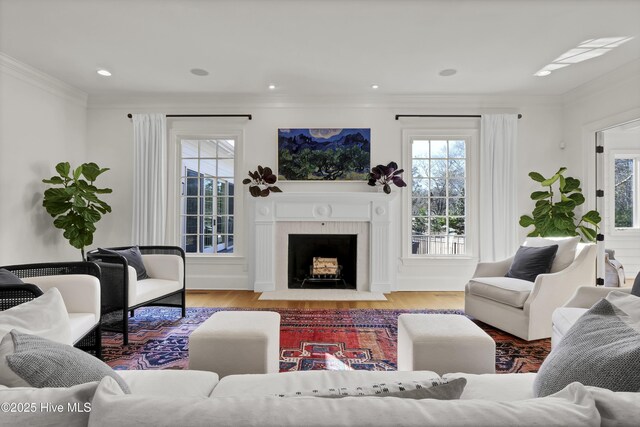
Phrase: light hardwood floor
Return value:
(397, 300)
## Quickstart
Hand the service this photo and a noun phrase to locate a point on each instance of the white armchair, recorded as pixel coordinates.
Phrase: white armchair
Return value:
(79, 285)
(524, 308)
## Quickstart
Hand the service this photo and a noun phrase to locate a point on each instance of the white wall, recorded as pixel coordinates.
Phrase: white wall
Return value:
(42, 122)
(110, 140)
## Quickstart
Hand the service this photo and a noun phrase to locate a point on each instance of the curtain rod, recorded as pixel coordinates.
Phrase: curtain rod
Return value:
(443, 115)
(248, 116)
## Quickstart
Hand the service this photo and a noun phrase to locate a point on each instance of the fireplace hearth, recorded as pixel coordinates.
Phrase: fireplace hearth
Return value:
(304, 249)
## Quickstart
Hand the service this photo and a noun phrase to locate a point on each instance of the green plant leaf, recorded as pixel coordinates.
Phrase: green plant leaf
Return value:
(53, 180)
(103, 191)
(542, 209)
(592, 217)
(536, 176)
(539, 195)
(571, 184)
(550, 181)
(63, 169)
(526, 221)
(588, 233)
(77, 172)
(561, 170)
(578, 198)
(562, 183)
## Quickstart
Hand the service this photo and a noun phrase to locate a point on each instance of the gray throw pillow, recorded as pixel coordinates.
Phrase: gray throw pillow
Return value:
(530, 261)
(601, 349)
(635, 290)
(8, 278)
(447, 391)
(133, 257)
(45, 363)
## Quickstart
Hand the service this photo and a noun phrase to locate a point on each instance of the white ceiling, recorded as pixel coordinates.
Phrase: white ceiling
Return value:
(309, 47)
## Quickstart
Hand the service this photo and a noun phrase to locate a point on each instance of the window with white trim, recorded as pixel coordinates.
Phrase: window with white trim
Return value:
(206, 214)
(626, 181)
(439, 197)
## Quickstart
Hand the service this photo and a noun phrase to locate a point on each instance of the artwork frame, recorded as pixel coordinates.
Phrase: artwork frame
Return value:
(324, 154)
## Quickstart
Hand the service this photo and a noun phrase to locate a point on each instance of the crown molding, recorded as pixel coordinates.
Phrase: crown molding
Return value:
(440, 104)
(629, 72)
(41, 80)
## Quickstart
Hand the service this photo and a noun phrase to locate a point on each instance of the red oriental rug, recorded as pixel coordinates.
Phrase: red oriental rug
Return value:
(309, 339)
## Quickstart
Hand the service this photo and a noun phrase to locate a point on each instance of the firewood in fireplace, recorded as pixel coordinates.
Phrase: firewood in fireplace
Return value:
(324, 266)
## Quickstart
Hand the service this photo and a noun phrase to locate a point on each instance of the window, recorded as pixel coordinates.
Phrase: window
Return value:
(207, 195)
(438, 196)
(626, 188)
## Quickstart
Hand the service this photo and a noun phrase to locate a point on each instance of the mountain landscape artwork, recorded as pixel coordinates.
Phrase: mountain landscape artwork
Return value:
(324, 154)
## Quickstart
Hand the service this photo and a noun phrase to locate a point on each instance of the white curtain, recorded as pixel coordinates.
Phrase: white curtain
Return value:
(149, 179)
(498, 176)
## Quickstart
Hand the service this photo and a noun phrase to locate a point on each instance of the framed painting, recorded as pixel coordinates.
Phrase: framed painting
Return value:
(324, 154)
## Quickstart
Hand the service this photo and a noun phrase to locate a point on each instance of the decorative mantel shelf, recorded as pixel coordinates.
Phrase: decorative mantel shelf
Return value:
(366, 212)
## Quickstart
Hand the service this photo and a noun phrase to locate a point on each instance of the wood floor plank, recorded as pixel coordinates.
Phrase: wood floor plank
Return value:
(395, 300)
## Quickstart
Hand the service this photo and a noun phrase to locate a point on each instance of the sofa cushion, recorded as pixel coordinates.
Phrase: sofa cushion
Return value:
(573, 406)
(529, 262)
(44, 363)
(45, 316)
(8, 278)
(448, 390)
(502, 387)
(506, 290)
(566, 249)
(272, 384)
(601, 349)
(149, 289)
(563, 318)
(75, 401)
(170, 382)
(616, 408)
(133, 257)
(81, 324)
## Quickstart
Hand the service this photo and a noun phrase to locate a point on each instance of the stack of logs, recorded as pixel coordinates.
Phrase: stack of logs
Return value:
(324, 266)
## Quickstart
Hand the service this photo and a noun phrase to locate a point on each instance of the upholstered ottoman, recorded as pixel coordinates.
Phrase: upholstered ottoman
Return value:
(444, 343)
(237, 342)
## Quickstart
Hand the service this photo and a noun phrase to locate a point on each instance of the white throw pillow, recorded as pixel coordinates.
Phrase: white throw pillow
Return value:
(45, 316)
(629, 305)
(566, 249)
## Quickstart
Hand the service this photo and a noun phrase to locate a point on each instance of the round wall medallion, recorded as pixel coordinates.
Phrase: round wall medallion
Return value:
(380, 210)
(264, 210)
(323, 210)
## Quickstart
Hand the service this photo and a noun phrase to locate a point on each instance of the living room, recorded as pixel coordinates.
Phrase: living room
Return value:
(258, 68)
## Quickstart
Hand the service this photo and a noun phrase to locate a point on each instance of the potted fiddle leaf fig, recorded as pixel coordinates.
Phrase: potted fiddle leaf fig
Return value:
(554, 212)
(74, 204)
(262, 182)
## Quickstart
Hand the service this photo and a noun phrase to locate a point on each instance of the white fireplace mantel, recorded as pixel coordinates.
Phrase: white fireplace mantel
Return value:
(345, 207)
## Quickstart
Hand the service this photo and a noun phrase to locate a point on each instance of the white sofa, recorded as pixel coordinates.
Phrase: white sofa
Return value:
(524, 308)
(583, 299)
(196, 398)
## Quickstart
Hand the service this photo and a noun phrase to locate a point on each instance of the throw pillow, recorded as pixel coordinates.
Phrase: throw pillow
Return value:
(8, 278)
(133, 257)
(635, 290)
(566, 249)
(45, 316)
(449, 390)
(44, 363)
(601, 349)
(378, 389)
(529, 262)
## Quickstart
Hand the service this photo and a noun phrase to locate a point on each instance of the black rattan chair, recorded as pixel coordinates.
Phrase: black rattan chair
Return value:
(13, 295)
(114, 283)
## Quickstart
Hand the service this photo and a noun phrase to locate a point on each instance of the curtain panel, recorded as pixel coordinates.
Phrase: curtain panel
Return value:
(498, 195)
(149, 179)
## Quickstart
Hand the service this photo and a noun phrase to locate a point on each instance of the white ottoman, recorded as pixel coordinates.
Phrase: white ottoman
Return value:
(237, 342)
(444, 343)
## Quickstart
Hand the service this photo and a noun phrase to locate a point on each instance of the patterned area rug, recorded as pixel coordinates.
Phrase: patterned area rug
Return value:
(309, 339)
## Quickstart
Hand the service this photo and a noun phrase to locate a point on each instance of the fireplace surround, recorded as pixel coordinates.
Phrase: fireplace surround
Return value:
(365, 214)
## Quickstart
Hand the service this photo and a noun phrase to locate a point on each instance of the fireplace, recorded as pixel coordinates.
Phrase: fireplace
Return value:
(304, 248)
(364, 214)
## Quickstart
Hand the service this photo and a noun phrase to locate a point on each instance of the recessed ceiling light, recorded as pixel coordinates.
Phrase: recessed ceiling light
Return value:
(272, 87)
(199, 72)
(448, 72)
(103, 72)
(375, 87)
